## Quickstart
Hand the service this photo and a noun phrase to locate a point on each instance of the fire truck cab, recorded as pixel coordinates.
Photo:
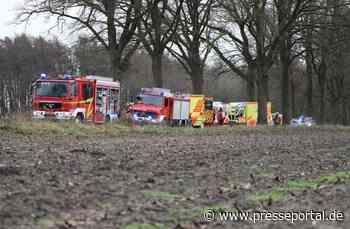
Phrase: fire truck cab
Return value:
(85, 98)
(153, 105)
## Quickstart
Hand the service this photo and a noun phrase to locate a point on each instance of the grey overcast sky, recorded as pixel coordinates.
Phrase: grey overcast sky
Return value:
(37, 26)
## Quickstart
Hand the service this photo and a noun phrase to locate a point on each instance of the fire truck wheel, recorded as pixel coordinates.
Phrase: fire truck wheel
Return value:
(79, 118)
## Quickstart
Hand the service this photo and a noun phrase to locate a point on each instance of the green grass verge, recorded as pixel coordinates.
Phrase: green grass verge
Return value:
(278, 193)
(69, 128)
(59, 128)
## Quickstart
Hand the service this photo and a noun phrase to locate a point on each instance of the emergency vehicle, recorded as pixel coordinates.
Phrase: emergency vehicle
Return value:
(238, 113)
(225, 109)
(247, 113)
(201, 110)
(83, 98)
(153, 105)
(180, 113)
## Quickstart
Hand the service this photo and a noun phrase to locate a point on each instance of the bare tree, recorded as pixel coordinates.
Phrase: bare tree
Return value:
(112, 23)
(296, 78)
(157, 29)
(189, 46)
(232, 42)
(338, 34)
(291, 47)
(307, 40)
(321, 57)
(324, 36)
(91, 57)
(22, 59)
(258, 39)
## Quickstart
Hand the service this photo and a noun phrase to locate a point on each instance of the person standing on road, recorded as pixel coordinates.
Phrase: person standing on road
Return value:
(221, 117)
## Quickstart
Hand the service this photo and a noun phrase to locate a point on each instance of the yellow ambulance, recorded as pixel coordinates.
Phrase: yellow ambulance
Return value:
(201, 110)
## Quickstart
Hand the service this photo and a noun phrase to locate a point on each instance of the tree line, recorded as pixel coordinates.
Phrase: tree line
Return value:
(21, 60)
(299, 45)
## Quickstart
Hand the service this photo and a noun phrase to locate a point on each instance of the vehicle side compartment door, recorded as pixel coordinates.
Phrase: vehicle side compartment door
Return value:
(101, 105)
(88, 99)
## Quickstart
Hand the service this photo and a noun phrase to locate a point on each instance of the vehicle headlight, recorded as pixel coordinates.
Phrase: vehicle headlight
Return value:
(161, 118)
(38, 113)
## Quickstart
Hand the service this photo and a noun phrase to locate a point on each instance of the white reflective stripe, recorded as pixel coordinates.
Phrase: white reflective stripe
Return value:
(79, 110)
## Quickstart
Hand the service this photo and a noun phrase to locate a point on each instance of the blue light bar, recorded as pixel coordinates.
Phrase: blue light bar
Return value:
(43, 76)
(67, 76)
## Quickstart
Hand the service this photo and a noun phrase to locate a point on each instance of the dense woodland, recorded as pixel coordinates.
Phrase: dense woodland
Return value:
(291, 52)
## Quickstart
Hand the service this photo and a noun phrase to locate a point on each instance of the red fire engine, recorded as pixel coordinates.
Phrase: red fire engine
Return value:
(85, 98)
(153, 105)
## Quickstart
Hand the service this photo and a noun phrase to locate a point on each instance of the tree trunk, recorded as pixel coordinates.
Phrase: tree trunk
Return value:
(251, 90)
(322, 105)
(197, 79)
(285, 81)
(263, 98)
(262, 79)
(157, 64)
(322, 84)
(343, 104)
(309, 72)
(284, 54)
(196, 66)
(325, 48)
(344, 111)
(12, 96)
(115, 64)
(309, 87)
(250, 84)
(344, 108)
(2, 98)
(294, 112)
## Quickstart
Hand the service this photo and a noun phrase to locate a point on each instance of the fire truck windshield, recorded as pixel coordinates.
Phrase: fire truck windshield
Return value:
(51, 89)
(153, 100)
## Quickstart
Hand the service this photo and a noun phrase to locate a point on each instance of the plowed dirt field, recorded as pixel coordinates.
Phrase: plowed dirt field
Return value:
(150, 181)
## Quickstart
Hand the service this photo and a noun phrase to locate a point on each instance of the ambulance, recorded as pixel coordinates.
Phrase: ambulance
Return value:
(201, 110)
(246, 113)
